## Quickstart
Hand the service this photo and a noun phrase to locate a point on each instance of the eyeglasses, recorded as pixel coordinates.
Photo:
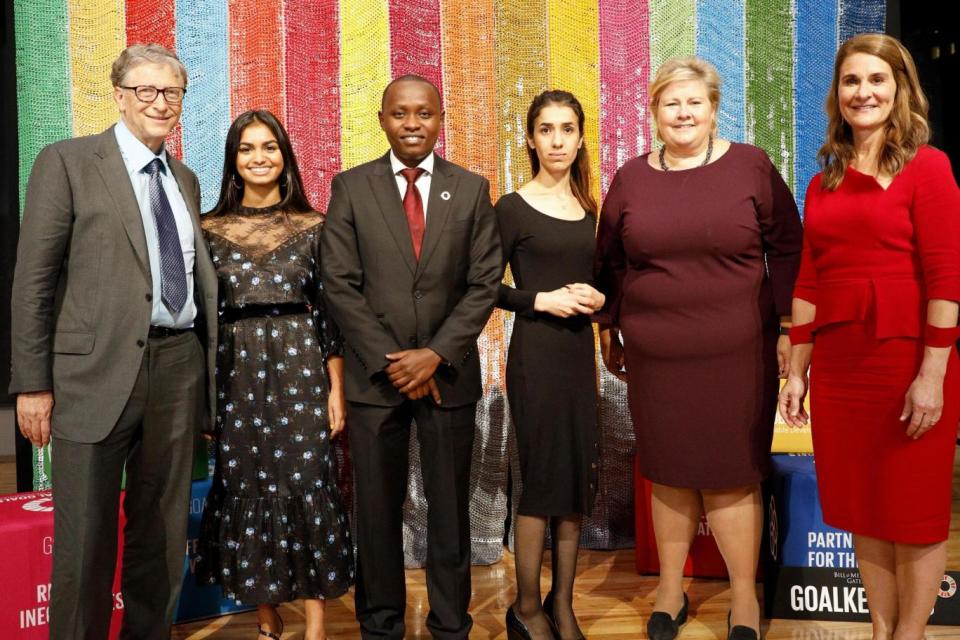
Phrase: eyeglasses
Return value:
(148, 94)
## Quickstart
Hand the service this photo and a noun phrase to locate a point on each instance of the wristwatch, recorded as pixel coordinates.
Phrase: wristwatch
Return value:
(784, 331)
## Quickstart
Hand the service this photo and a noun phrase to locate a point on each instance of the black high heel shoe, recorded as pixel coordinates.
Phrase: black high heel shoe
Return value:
(548, 612)
(740, 632)
(516, 630)
(661, 626)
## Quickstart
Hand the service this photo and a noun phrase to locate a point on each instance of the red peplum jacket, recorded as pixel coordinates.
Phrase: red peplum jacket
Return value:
(876, 255)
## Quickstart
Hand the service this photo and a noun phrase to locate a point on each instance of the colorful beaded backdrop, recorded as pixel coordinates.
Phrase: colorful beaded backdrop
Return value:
(320, 65)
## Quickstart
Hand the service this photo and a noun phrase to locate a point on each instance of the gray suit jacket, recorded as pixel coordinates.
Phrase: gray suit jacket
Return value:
(80, 303)
(384, 300)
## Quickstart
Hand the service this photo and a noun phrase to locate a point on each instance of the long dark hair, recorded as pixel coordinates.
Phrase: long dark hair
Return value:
(292, 196)
(580, 170)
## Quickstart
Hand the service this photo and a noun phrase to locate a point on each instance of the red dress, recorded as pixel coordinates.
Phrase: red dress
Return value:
(872, 258)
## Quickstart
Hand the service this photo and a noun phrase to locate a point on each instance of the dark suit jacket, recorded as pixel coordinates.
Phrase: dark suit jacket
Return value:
(80, 303)
(385, 301)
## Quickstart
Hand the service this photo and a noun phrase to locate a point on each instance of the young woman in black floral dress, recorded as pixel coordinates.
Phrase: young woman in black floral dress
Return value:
(274, 528)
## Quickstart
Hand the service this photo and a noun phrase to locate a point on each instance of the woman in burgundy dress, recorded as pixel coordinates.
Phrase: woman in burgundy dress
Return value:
(878, 290)
(697, 251)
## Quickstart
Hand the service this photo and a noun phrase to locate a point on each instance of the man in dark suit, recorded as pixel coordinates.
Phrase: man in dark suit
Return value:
(411, 266)
(113, 283)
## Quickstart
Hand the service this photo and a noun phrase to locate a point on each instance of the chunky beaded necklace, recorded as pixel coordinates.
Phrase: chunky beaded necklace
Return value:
(706, 159)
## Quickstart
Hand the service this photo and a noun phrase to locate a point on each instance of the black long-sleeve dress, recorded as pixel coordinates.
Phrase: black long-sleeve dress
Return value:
(274, 528)
(551, 364)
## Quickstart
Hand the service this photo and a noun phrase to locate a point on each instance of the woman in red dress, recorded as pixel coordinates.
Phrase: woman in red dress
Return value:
(877, 294)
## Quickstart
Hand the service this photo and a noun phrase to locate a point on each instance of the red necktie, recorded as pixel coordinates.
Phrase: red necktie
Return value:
(413, 207)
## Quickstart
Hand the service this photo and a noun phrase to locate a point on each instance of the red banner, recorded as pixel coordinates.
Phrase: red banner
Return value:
(704, 560)
(26, 537)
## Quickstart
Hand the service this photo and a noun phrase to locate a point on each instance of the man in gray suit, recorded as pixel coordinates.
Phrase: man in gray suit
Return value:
(114, 334)
(411, 268)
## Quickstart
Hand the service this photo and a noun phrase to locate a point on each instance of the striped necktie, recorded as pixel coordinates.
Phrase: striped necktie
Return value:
(173, 273)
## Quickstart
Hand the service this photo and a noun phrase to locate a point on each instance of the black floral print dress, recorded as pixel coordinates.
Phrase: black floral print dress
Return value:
(274, 528)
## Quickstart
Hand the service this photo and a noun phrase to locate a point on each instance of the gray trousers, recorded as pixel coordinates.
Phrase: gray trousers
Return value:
(154, 437)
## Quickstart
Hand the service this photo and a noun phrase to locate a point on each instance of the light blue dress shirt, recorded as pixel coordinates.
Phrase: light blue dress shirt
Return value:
(136, 156)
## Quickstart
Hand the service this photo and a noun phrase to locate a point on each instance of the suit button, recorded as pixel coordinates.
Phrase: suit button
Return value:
(418, 294)
(149, 297)
(141, 343)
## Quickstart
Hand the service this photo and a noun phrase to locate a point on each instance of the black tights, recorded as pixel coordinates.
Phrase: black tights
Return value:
(528, 542)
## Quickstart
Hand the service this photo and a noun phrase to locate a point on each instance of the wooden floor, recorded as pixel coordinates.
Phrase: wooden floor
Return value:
(611, 602)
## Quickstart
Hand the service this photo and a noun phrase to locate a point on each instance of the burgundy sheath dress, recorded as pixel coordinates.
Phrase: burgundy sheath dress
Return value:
(697, 265)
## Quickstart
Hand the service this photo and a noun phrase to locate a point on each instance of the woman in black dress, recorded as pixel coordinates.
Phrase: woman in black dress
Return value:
(274, 528)
(547, 227)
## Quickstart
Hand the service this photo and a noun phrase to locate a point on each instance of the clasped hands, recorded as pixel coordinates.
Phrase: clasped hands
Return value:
(569, 300)
(411, 372)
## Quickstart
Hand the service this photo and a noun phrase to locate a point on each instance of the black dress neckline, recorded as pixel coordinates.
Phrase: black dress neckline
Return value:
(529, 206)
(257, 211)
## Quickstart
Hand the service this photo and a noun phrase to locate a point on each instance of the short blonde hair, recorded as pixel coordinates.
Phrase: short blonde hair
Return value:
(680, 69)
(137, 54)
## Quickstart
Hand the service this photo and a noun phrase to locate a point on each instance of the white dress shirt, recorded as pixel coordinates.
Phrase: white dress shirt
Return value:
(423, 182)
(136, 156)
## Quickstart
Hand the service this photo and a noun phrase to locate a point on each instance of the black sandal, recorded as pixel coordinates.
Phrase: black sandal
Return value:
(270, 634)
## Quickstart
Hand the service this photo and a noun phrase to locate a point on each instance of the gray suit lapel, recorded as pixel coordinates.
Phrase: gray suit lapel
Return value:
(383, 184)
(117, 183)
(443, 186)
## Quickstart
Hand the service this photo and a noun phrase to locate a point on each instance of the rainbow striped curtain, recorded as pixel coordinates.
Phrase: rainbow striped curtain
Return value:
(321, 65)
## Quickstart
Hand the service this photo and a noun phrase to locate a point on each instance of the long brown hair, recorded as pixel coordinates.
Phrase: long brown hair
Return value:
(580, 170)
(906, 129)
(292, 195)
